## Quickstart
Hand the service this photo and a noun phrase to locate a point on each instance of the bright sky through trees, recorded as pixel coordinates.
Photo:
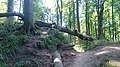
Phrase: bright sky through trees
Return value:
(49, 3)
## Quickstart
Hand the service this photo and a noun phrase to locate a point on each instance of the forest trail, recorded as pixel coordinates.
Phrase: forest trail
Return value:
(43, 57)
(98, 57)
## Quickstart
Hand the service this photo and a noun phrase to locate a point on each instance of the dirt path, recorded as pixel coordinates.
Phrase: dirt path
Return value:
(43, 57)
(97, 57)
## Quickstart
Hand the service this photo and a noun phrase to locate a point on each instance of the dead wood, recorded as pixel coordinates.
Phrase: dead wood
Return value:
(64, 29)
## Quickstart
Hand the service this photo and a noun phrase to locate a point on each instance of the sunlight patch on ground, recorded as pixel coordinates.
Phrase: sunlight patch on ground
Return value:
(107, 49)
(78, 48)
(102, 52)
(113, 63)
(110, 47)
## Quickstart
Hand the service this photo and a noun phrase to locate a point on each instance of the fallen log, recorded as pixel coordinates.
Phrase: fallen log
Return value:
(65, 46)
(43, 24)
(64, 29)
(12, 14)
(57, 62)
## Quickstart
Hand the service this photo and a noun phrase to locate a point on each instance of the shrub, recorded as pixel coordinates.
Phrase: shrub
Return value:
(10, 43)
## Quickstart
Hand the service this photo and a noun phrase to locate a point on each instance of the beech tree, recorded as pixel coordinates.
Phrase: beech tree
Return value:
(100, 18)
(28, 25)
(28, 16)
(10, 8)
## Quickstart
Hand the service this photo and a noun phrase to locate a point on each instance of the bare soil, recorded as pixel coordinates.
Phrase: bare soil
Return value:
(96, 57)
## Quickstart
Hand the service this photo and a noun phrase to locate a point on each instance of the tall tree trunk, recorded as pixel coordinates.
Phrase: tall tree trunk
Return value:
(74, 14)
(20, 9)
(28, 16)
(10, 8)
(78, 22)
(57, 12)
(96, 29)
(109, 25)
(61, 13)
(73, 18)
(91, 28)
(77, 11)
(87, 19)
(113, 24)
(70, 17)
(100, 19)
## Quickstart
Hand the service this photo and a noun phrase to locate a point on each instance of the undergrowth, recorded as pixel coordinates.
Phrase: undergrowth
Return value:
(52, 39)
(87, 45)
(9, 44)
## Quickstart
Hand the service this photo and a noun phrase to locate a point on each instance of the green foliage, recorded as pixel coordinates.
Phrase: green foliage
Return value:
(4, 33)
(40, 45)
(90, 45)
(9, 44)
(3, 4)
(39, 10)
(3, 65)
(23, 64)
(51, 40)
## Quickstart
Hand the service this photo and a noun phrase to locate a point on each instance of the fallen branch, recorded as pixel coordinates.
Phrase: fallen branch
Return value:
(64, 29)
(67, 46)
(57, 62)
(12, 14)
(43, 24)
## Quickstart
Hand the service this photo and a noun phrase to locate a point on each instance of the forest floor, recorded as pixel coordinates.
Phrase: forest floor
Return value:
(107, 55)
(97, 57)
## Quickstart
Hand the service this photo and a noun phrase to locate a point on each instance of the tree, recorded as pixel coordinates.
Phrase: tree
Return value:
(77, 12)
(28, 16)
(113, 23)
(10, 8)
(61, 12)
(73, 14)
(100, 18)
(57, 10)
(87, 19)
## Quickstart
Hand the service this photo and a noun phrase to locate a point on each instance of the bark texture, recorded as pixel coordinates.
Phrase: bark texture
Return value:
(57, 62)
(12, 14)
(64, 29)
(53, 25)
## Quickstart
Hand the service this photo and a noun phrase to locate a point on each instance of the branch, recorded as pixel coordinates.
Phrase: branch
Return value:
(64, 29)
(57, 62)
(12, 14)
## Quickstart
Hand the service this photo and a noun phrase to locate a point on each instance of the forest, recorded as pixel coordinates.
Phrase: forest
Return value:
(59, 33)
